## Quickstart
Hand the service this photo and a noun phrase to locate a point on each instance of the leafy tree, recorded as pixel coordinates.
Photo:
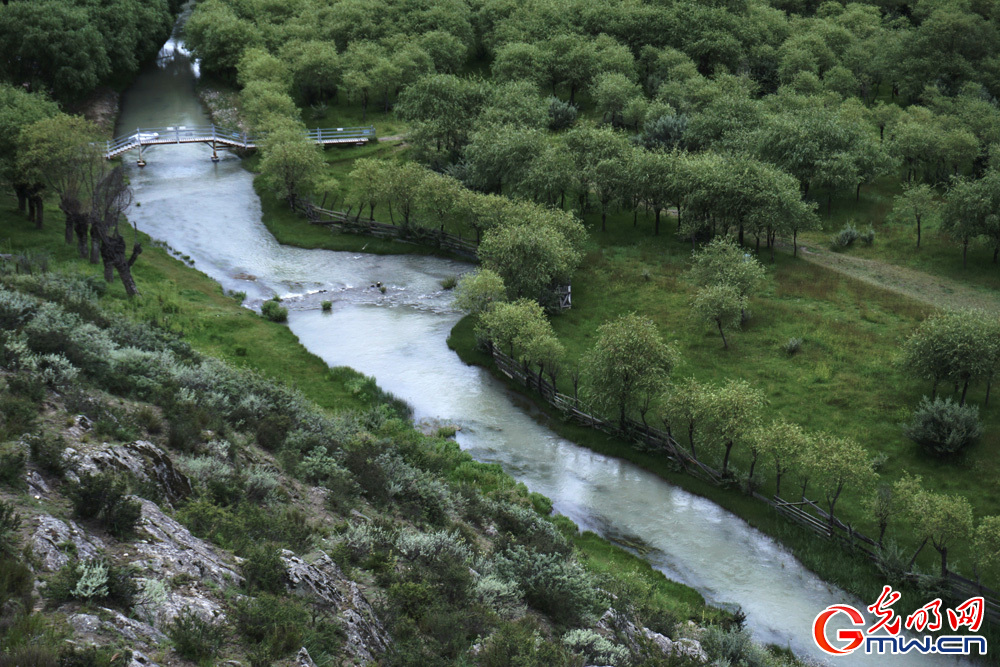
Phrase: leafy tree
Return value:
(966, 211)
(611, 92)
(688, 402)
(939, 517)
(500, 155)
(838, 463)
(365, 64)
(316, 68)
(784, 443)
(956, 345)
(735, 415)
(439, 194)
(529, 258)
(518, 61)
(265, 104)
(369, 181)
(478, 290)
(722, 305)
(256, 64)
(721, 261)
(442, 109)
(60, 152)
(290, 165)
(513, 325)
(628, 361)
(446, 51)
(18, 110)
(916, 202)
(986, 543)
(217, 36)
(403, 186)
(517, 104)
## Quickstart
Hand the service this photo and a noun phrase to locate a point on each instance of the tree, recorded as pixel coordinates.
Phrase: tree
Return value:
(363, 62)
(722, 305)
(369, 181)
(316, 68)
(735, 415)
(530, 258)
(478, 290)
(837, 463)
(516, 103)
(916, 202)
(60, 151)
(442, 109)
(784, 443)
(439, 194)
(290, 165)
(628, 361)
(18, 110)
(958, 346)
(688, 401)
(513, 325)
(986, 544)
(939, 517)
(966, 210)
(612, 91)
(722, 262)
(518, 61)
(217, 36)
(403, 187)
(112, 197)
(500, 155)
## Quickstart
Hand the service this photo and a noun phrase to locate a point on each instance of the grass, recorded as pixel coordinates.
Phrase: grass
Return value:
(843, 380)
(190, 303)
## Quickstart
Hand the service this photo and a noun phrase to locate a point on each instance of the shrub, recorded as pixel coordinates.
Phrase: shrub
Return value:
(147, 418)
(16, 583)
(449, 282)
(595, 648)
(561, 114)
(553, 584)
(868, 237)
(10, 522)
(260, 485)
(522, 643)
(194, 638)
(263, 569)
(942, 427)
(846, 237)
(104, 496)
(274, 622)
(327, 306)
(734, 646)
(16, 308)
(17, 414)
(273, 311)
(47, 452)
(30, 656)
(92, 582)
(792, 346)
(102, 582)
(12, 465)
(94, 656)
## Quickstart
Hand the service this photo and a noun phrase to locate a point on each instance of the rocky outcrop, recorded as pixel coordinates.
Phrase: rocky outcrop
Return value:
(54, 543)
(614, 624)
(173, 551)
(114, 626)
(141, 459)
(323, 581)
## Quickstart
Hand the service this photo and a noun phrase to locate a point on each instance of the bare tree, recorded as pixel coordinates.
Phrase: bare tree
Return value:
(111, 198)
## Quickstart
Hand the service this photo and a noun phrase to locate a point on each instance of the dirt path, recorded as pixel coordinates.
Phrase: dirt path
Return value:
(937, 291)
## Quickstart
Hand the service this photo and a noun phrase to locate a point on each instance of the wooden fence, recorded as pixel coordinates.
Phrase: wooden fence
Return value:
(805, 512)
(435, 238)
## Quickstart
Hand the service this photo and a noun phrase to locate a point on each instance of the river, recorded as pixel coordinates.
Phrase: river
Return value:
(209, 211)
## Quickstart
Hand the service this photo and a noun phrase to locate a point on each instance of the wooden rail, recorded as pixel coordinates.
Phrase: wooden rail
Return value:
(805, 512)
(219, 137)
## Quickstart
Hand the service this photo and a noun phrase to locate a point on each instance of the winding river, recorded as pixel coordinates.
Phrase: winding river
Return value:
(209, 211)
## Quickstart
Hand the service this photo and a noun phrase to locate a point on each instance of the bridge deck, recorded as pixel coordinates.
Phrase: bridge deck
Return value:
(221, 137)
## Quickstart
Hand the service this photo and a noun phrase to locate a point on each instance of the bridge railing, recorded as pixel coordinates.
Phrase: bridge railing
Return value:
(145, 136)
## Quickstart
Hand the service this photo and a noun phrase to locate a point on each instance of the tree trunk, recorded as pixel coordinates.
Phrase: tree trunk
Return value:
(656, 224)
(944, 561)
(881, 531)
(741, 234)
(934, 389)
(39, 211)
(725, 345)
(917, 553)
(965, 252)
(918, 231)
(795, 243)
(31, 208)
(22, 197)
(691, 439)
(81, 225)
(965, 389)
(95, 246)
(753, 464)
(777, 485)
(604, 219)
(725, 459)
(989, 385)
(857, 193)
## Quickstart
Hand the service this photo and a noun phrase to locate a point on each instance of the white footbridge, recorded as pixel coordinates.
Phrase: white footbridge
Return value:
(219, 137)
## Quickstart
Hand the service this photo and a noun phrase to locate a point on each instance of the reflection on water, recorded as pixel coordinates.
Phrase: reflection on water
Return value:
(209, 211)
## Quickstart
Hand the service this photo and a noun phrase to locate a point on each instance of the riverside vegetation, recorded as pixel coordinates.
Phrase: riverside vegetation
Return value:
(120, 435)
(718, 154)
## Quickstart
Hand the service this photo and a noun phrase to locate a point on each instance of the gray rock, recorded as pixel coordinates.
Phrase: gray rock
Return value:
(85, 625)
(131, 629)
(139, 659)
(173, 550)
(303, 659)
(204, 607)
(323, 580)
(691, 648)
(51, 539)
(36, 485)
(141, 458)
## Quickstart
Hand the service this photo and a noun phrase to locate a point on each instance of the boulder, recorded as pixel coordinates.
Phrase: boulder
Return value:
(142, 459)
(323, 580)
(303, 659)
(174, 551)
(52, 539)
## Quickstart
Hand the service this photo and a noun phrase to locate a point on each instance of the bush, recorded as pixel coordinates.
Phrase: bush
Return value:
(94, 656)
(273, 311)
(449, 283)
(276, 623)
(943, 427)
(552, 584)
(263, 569)
(17, 415)
(10, 522)
(595, 648)
(792, 346)
(561, 114)
(735, 647)
(12, 465)
(327, 306)
(94, 581)
(846, 237)
(522, 643)
(104, 496)
(30, 656)
(47, 452)
(868, 238)
(194, 638)
(16, 583)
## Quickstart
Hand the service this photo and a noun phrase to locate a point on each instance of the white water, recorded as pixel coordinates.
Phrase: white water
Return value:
(210, 212)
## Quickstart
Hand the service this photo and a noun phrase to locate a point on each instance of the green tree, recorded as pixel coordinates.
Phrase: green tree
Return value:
(316, 68)
(18, 110)
(735, 415)
(722, 305)
(478, 290)
(966, 211)
(956, 346)
(512, 326)
(442, 110)
(530, 258)
(368, 177)
(628, 362)
(501, 155)
(722, 262)
(612, 91)
(689, 402)
(838, 463)
(986, 544)
(783, 442)
(217, 36)
(403, 186)
(290, 164)
(939, 517)
(916, 202)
